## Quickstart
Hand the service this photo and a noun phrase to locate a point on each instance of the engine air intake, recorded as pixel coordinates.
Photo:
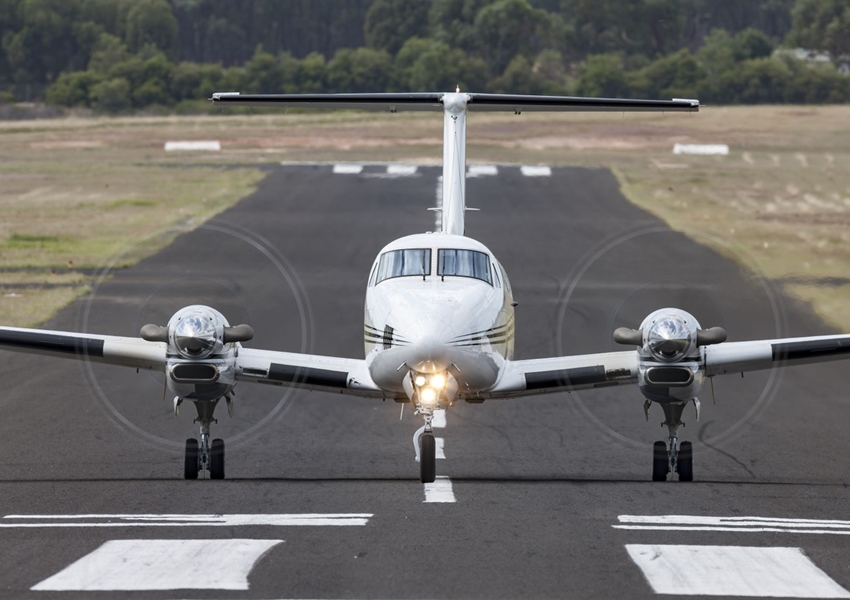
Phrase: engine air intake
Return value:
(190, 373)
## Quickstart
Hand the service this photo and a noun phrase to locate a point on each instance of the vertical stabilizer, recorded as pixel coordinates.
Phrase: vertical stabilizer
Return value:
(454, 163)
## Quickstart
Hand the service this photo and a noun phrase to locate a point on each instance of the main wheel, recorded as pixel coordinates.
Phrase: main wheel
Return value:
(190, 464)
(660, 462)
(217, 459)
(685, 462)
(427, 458)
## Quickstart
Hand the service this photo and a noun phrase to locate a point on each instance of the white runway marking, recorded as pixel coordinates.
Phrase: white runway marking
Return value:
(532, 171)
(210, 146)
(347, 169)
(162, 565)
(440, 490)
(439, 421)
(401, 170)
(440, 448)
(482, 170)
(742, 524)
(733, 571)
(121, 520)
(721, 149)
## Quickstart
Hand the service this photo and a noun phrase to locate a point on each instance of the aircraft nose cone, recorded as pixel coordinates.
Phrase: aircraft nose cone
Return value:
(428, 354)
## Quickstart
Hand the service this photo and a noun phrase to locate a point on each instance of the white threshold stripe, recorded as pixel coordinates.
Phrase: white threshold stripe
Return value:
(348, 169)
(208, 145)
(124, 520)
(535, 171)
(439, 448)
(401, 169)
(733, 571)
(482, 170)
(749, 524)
(440, 490)
(129, 565)
(735, 529)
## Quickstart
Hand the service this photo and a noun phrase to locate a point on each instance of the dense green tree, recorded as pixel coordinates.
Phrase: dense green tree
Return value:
(518, 78)
(431, 66)
(603, 76)
(73, 89)
(151, 23)
(390, 23)
(361, 70)
(107, 52)
(752, 43)
(111, 96)
(263, 73)
(506, 29)
(822, 25)
(676, 75)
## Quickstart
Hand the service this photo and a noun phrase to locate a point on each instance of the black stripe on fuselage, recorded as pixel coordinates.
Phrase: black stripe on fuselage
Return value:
(308, 376)
(51, 342)
(565, 378)
(813, 349)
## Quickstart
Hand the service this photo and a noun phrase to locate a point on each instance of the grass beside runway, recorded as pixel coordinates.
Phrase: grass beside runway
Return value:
(79, 193)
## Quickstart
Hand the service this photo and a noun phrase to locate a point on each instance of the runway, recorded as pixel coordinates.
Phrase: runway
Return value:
(546, 497)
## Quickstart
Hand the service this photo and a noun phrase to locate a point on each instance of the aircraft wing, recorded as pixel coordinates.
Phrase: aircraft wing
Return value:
(332, 374)
(581, 372)
(309, 371)
(109, 349)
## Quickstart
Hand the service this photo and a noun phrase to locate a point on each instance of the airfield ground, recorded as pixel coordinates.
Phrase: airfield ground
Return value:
(77, 194)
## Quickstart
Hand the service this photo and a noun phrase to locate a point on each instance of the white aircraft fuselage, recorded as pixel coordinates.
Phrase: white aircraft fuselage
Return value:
(441, 316)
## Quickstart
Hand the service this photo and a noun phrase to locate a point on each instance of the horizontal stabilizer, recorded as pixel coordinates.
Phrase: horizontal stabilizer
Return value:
(432, 101)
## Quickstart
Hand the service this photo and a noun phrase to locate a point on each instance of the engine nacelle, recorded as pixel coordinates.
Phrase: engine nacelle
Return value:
(197, 332)
(669, 343)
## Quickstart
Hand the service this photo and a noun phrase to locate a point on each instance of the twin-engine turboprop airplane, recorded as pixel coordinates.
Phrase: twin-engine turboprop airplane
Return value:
(439, 320)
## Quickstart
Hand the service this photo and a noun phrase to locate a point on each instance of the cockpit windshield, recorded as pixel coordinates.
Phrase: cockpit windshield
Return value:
(404, 263)
(464, 263)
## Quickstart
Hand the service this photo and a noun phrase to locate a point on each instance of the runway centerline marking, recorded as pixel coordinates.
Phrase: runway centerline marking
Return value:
(401, 169)
(482, 170)
(128, 565)
(736, 524)
(439, 420)
(733, 571)
(439, 448)
(439, 491)
(176, 520)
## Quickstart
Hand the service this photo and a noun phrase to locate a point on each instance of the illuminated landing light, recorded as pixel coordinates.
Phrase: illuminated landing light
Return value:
(420, 380)
(438, 381)
(428, 396)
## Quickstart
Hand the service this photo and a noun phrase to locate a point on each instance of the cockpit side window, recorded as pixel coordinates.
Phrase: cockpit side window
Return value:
(404, 263)
(464, 263)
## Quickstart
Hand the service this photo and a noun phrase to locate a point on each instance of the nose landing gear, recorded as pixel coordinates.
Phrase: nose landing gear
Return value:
(670, 458)
(205, 456)
(425, 447)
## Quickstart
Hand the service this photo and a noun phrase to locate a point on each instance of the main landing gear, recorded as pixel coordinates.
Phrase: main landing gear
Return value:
(670, 458)
(206, 456)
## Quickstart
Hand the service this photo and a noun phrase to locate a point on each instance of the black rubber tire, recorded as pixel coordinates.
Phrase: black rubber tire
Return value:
(217, 459)
(660, 462)
(190, 462)
(427, 458)
(685, 462)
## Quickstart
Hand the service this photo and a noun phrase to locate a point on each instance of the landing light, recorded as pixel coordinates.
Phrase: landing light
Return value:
(438, 381)
(419, 380)
(428, 396)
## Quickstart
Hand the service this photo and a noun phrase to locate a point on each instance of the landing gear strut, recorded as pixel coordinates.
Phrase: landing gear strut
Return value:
(667, 457)
(205, 456)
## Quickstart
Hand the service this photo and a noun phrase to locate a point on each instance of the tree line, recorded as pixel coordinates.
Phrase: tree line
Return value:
(120, 55)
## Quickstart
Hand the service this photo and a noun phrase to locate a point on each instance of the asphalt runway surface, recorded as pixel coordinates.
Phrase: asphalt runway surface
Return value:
(543, 497)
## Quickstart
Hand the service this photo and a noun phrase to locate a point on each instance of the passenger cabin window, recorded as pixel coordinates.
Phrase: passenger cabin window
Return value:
(404, 263)
(464, 263)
